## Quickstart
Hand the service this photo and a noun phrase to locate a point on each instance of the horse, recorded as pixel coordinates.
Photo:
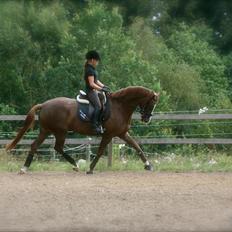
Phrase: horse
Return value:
(57, 116)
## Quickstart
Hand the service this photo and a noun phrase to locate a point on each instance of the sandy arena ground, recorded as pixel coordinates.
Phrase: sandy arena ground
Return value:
(116, 201)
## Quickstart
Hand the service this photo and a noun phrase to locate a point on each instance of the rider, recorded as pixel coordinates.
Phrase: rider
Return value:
(93, 85)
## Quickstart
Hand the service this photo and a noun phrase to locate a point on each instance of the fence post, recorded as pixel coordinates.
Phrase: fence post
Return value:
(88, 153)
(53, 158)
(110, 153)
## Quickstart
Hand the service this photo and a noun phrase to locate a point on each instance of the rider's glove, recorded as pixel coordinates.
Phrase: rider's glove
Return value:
(105, 89)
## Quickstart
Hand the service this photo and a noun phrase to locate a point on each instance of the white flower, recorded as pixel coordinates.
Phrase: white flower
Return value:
(212, 162)
(157, 161)
(121, 146)
(203, 110)
(124, 161)
(154, 18)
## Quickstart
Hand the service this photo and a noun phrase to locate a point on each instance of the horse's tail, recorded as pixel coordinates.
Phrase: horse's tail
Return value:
(28, 123)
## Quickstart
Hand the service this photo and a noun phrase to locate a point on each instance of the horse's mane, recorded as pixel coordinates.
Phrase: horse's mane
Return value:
(133, 90)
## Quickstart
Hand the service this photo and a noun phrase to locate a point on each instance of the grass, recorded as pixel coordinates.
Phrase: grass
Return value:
(166, 162)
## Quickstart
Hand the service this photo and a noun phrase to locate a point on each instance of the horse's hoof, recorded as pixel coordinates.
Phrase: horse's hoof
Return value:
(89, 172)
(149, 167)
(22, 171)
(76, 169)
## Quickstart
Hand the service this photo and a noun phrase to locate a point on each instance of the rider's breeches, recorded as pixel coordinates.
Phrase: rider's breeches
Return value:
(94, 99)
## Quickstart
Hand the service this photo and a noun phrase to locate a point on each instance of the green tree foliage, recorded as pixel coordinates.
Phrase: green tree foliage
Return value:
(42, 47)
(131, 9)
(29, 45)
(210, 20)
(5, 126)
(180, 81)
(199, 55)
(217, 13)
(42, 51)
(97, 28)
(228, 71)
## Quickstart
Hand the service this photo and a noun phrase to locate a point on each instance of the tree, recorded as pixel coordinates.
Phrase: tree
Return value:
(214, 13)
(199, 55)
(180, 81)
(29, 44)
(98, 28)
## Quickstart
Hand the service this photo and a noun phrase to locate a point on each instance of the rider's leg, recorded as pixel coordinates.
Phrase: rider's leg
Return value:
(94, 99)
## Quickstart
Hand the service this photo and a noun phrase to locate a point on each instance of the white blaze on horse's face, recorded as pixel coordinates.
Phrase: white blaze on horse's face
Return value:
(151, 114)
(146, 116)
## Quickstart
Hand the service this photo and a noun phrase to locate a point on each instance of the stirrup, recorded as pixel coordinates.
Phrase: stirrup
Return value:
(98, 129)
(102, 129)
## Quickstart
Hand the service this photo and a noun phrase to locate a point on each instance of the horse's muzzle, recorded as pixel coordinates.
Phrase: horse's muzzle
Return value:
(146, 119)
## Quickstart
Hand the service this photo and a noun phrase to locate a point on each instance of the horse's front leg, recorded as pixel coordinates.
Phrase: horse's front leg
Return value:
(105, 140)
(127, 138)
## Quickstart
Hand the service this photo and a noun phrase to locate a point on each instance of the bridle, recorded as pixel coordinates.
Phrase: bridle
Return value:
(144, 110)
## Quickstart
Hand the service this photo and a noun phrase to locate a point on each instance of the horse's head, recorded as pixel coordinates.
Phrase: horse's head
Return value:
(147, 108)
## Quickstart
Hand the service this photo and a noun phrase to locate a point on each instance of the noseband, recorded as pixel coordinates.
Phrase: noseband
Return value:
(143, 110)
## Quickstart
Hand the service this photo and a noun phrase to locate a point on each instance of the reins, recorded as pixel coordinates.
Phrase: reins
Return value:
(143, 110)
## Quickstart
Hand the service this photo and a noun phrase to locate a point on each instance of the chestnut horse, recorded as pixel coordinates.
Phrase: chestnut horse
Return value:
(59, 115)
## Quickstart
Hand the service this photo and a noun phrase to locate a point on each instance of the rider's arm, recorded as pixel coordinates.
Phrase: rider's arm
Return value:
(92, 84)
(100, 84)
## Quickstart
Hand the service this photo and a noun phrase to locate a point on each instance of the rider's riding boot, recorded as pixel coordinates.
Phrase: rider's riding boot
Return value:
(96, 126)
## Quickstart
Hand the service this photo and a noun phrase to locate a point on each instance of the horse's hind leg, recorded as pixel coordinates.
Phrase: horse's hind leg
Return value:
(41, 137)
(59, 147)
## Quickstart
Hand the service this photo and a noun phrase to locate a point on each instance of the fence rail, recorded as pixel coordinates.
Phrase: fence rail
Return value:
(144, 141)
(94, 140)
(137, 117)
(189, 116)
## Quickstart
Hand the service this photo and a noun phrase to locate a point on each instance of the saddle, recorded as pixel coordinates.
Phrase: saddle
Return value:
(85, 109)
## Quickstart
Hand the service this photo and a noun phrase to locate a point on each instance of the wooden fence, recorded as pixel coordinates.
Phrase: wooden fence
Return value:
(95, 140)
(140, 140)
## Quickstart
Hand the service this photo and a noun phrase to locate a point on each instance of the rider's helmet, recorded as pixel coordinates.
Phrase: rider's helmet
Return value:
(92, 55)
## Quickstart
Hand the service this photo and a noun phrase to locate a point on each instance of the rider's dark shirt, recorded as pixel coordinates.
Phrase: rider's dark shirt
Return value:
(90, 71)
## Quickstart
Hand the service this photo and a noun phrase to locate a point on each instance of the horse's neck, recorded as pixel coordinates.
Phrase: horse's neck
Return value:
(130, 101)
(131, 96)
(133, 99)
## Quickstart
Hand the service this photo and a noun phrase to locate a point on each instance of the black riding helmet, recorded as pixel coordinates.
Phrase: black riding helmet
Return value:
(92, 55)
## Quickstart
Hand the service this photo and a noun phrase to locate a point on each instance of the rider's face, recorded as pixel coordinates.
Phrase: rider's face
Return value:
(94, 62)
